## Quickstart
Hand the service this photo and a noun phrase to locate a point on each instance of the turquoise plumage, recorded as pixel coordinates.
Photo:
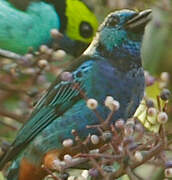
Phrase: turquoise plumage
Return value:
(30, 31)
(111, 66)
(21, 28)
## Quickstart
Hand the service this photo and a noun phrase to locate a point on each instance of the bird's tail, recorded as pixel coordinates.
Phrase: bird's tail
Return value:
(13, 169)
(2, 161)
(5, 158)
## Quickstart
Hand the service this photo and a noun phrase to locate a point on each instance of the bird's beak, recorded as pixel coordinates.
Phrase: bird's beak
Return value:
(138, 22)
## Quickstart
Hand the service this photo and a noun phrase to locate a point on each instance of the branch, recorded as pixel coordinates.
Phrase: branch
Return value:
(11, 115)
(12, 55)
(153, 152)
(7, 87)
(8, 125)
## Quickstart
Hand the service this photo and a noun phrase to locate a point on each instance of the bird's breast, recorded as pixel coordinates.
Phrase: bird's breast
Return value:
(124, 86)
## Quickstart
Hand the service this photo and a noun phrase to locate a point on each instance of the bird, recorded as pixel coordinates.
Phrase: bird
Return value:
(27, 24)
(110, 66)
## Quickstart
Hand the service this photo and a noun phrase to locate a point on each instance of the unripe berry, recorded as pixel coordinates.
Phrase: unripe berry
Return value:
(130, 122)
(165, 94)
(168, 164)
(108, 101)
(59, 54)
(94, 151)
(107, 136)
(149, 103)
(92, 104)
(165, 76)
(66, 76)
(29, 56)
(93, 172)
(162, 117)
(54, 33)
(120, 123)
(43, 49)
(94, 139)
(112, 104)
(149, 79)
(168, 172)
(152, 111)
(138, 156)
(67, 158)
(85, 174)
(67, 142)
(71, 178)
(42, 63)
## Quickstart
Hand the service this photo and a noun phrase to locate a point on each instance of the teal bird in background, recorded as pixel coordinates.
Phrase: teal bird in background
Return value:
(26, 23)
(111, 66)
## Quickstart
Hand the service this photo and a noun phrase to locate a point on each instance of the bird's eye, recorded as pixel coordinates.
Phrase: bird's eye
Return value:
(113, 22)
(85, 30)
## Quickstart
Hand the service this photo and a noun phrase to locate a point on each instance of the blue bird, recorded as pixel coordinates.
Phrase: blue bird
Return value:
(27, 23)
(111, 66)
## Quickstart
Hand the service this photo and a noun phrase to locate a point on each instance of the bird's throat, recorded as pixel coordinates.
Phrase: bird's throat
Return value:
(120, 58)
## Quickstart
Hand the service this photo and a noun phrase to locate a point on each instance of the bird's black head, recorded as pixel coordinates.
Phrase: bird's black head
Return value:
(78, 24)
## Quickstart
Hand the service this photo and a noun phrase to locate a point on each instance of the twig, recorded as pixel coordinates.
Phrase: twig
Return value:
(11, 115)
(97, 166)
(36, 75)
(10, 88)
(12, 55)
(159, 103)
(153, 152)
(108, 119)
(131, 174)
(8, 125)
(50, 173)
(61, 166)
(97, 155)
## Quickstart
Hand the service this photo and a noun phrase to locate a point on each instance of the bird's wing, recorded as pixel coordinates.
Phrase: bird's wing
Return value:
(59, 98)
